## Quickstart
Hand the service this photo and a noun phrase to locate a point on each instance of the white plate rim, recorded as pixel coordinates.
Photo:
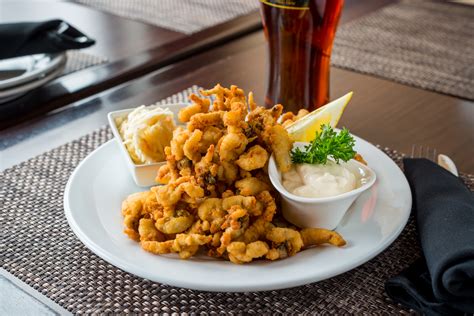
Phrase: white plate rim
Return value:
(190, 284)
(56, 61)
(27, 87)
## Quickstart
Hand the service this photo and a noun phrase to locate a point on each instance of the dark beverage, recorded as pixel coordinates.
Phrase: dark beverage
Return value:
(300, 34)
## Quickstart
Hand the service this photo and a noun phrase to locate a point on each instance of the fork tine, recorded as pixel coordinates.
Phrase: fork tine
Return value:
(420, 151)
(433, 154)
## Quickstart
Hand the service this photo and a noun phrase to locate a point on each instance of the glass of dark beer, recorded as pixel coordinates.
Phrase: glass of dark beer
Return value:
(299, 34)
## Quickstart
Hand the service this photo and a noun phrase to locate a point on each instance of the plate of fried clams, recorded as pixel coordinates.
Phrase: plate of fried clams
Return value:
(214, 222)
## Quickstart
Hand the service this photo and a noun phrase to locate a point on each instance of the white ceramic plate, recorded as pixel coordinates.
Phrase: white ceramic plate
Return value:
(20, 70)
(97, 187)
(16, 91)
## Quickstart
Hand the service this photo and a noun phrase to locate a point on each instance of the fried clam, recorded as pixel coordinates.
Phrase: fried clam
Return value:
(269, 205)
(251, 186)
(180, 136)
(235, 225)
(254, 158)
(206, 164)
(148, 231)
(227, 172)
(232, 145)
(134, 207)
(202, 120)
(212, 212)
(289, 118)
(219, 95)
(174, 221)
(240, 252)
(247, 202)
(281, 144)
(210, 136)
(170, 171)
(236, 116)
(191, 146)
(256, 231)
(186, 245)
(286, 242)
(319, 236)
(199, 105)
(185, 188)
(216, 194)
(261, 118)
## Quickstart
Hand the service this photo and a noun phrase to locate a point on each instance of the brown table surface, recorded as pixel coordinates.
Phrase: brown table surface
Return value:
(133, 49)
(381, 111)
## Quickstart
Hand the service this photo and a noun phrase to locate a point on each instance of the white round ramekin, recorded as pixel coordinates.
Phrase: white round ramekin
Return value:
(324, 212)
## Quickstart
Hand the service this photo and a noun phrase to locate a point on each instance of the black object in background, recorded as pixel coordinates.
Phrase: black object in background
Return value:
(30, 38)
(441, 283)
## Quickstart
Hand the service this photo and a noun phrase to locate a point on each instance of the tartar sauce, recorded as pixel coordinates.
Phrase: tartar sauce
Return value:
(319, 180)
(146, 132)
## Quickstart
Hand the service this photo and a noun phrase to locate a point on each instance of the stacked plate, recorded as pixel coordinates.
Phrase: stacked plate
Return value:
(23, 74)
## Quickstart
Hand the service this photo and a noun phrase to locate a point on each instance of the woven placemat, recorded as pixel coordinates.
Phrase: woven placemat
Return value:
(424, 44)
(77, 60)
(38, 247)
(185, 16)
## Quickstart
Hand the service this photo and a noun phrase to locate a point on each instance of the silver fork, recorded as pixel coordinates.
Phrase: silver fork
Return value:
(420, 151)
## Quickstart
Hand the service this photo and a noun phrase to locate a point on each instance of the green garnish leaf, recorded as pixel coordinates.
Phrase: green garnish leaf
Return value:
(327, 143)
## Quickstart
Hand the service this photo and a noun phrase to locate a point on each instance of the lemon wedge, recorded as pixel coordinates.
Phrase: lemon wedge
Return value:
(304, 129)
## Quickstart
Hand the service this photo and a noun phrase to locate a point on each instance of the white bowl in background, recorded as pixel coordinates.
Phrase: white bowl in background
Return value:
(326, 212)
(144, 175)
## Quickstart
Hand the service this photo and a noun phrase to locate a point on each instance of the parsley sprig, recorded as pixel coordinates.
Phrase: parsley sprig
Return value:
(327, 143)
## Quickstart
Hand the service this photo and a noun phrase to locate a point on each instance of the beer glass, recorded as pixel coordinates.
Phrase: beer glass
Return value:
(299, 35)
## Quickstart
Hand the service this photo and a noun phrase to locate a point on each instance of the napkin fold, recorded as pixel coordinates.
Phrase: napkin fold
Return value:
(441, 283)
(28, 38)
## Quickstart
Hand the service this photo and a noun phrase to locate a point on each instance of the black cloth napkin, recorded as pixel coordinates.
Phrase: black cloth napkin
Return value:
(54, 36)
(441, 283)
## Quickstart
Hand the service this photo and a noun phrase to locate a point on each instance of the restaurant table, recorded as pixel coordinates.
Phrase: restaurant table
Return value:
(381, 111)
(129, 48)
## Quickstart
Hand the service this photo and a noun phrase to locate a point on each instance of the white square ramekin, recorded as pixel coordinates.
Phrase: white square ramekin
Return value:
(144, 175)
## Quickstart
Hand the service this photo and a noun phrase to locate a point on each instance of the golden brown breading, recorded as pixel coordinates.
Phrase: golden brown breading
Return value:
(218, 91)
(210, 136)
(227, 172)
(191, 146)
(289, 118)
(199, 105)
(281, 144)
(211, 210)
(286, 241)
(186, 245)
(174, 221)
(251, 186)
(132, 211)
(203, 120)
(157, 247)
(239, 252)
(148, 231)
(319, 236)
(247, 202)
(232, 146)
(180, 136)
(254, 158)
(216, 194)
(256, 231)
